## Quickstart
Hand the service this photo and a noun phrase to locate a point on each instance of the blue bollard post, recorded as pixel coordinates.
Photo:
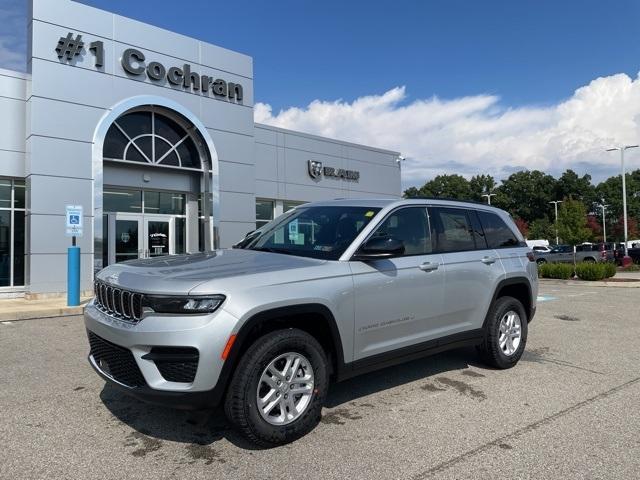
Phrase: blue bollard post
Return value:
(73, 276)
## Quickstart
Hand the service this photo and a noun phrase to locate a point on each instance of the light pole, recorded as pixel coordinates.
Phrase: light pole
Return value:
(604, 221)
(555, 204)
(489, 195)
(626, 260)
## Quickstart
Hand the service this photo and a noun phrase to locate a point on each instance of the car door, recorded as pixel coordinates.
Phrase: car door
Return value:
(398, 301)
(556, 254)
(511, 250)
(566, 254)
(473, 270)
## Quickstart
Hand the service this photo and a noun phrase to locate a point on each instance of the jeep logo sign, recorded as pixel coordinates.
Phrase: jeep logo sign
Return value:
(316, 171)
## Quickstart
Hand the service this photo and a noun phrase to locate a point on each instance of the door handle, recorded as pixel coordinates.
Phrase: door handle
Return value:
(429, 266)
(488, 260)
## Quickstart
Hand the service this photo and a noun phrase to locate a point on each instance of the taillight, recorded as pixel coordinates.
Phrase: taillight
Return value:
(531, 256)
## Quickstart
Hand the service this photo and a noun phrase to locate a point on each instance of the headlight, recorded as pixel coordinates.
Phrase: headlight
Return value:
(184, 305)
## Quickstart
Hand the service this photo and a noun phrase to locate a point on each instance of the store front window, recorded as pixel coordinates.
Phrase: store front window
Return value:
(264, 212)
(12, 232)
(268, 209)
(149, 137)
(290, 204)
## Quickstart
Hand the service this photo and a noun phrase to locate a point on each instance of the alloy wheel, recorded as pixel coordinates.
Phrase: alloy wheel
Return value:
(510, 333)
(285, 389)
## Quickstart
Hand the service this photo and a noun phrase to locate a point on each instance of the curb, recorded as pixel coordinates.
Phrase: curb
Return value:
(584, 283)
(16, 315)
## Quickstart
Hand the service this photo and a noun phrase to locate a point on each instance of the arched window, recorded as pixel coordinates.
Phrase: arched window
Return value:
(151, 137)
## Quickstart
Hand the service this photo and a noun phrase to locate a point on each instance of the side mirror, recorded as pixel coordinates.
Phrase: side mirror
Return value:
(380, 247)
(242, 243)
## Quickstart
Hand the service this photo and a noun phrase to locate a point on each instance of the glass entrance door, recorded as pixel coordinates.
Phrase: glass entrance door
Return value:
(134, 236)
(125, 243)
(158, 236)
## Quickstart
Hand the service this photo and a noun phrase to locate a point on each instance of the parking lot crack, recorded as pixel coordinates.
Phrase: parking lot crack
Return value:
(443, 466)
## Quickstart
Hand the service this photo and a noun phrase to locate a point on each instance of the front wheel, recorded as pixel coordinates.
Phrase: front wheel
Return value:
(541, 261)
(278, 390)
(505, 333)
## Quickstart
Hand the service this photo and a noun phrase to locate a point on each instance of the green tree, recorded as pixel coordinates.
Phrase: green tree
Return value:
(480, 185)
(411, 192)
(611, 191)
(443, 186)
(542, 229)
(572, 222)
(526, 194)
(570, 185)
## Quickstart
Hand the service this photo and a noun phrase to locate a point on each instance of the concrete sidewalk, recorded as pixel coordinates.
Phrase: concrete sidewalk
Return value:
(21, 309)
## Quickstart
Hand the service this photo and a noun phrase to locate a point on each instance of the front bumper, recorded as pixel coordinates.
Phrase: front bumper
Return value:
(207, 334)
(172, 399)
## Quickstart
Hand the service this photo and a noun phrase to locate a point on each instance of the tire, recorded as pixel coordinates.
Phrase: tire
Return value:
(241, 403)
(541, 261)
(491, 350)
(589, 260)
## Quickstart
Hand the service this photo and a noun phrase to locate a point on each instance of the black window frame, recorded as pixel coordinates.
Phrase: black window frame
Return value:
(15, 210)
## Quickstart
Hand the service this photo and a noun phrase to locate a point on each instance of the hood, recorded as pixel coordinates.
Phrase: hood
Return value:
(179, 274)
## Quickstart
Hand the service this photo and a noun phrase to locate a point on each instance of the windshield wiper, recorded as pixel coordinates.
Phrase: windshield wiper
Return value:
(272, 250)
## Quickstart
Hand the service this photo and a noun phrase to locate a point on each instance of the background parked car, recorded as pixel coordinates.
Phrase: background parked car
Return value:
(565, 254)
(634, 253)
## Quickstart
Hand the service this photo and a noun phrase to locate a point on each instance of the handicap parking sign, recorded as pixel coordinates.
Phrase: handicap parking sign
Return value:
(73, 220)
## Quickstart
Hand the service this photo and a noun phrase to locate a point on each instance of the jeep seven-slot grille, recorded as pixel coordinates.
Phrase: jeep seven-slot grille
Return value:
(115, 361)
(117, 302)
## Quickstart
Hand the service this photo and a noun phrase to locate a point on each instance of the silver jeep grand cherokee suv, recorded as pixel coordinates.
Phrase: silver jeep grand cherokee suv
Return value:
(326, 291)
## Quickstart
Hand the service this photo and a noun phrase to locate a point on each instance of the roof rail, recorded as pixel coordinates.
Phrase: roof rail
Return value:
(446, 199)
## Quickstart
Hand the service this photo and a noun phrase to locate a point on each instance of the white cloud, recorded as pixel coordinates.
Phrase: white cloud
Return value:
(477, 134)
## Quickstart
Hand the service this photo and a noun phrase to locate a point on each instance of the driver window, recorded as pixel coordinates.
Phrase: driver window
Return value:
(411, 226)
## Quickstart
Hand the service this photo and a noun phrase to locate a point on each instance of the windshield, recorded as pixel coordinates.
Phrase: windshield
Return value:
(318, 232)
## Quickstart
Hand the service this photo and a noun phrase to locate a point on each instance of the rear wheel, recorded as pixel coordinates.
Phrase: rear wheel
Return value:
(540, 261)
(278, 390)
(589, 260)
(505, 333)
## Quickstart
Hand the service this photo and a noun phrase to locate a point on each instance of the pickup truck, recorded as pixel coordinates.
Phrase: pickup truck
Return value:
(565, 254)
(634, 253)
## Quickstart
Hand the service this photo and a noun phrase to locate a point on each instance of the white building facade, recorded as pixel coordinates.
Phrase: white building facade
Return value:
(152, 134)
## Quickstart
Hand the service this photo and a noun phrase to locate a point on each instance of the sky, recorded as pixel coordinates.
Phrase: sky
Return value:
(456, 86)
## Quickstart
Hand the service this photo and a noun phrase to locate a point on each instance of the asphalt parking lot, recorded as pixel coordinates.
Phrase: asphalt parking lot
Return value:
(568, 410)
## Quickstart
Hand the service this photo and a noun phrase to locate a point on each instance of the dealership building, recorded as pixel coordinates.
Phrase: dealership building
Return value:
(150, 134)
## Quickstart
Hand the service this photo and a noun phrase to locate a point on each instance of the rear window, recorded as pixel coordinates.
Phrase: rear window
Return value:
(496, 231)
